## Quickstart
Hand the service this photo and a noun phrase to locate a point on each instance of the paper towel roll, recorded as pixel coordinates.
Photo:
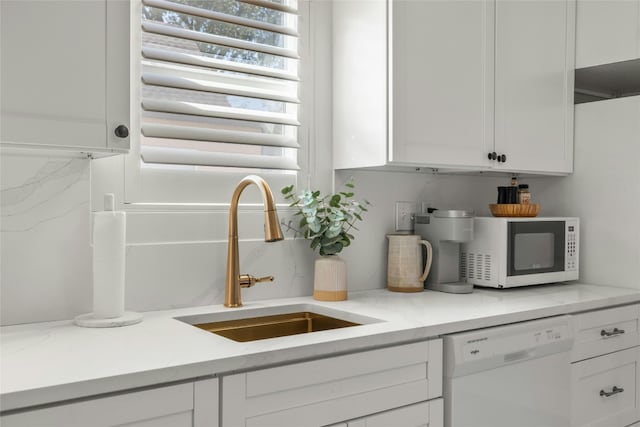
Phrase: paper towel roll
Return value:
(109, 236)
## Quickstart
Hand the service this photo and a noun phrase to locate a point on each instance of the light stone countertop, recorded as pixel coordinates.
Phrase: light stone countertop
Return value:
(55, 361)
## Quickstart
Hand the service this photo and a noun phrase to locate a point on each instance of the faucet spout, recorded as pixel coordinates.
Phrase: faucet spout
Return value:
(272, 233)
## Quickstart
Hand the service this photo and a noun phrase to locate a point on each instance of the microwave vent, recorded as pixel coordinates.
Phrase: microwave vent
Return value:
(478, 268)
(463, 264)
(475, 266)
(487, 267)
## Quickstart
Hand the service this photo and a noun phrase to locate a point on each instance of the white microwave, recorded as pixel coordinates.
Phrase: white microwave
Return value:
(509, 252)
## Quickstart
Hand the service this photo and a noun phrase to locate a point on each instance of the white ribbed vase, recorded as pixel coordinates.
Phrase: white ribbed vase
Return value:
(330, 279)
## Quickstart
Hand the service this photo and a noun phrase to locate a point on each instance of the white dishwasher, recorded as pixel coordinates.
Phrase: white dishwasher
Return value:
(516, 375)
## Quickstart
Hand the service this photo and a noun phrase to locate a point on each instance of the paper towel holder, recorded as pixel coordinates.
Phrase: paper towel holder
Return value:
(109, 241)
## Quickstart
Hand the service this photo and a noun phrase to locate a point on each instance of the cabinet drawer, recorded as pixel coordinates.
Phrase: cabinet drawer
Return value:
(605, 331)
(334, 389)
(595, 401)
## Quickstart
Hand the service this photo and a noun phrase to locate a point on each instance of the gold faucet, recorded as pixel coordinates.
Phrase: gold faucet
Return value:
(272, 233)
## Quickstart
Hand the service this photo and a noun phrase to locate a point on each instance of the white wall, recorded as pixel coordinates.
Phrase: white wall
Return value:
(367, 256)
(604, 191)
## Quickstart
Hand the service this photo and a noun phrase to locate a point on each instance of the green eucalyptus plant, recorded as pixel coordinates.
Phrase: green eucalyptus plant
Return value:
(327, 220)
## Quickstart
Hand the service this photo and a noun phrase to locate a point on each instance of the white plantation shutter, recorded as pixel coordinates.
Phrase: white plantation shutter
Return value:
(220, 83)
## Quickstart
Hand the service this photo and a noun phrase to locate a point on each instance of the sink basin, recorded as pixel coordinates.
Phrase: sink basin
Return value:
(273, 322)
(279, 325)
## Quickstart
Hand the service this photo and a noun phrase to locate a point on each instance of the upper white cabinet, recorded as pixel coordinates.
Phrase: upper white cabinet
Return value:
(467, 84)
(441, 112)
(607, 31)
(534, 67)
(65, 75)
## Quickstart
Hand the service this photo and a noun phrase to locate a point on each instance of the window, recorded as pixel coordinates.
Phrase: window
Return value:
(218, 98)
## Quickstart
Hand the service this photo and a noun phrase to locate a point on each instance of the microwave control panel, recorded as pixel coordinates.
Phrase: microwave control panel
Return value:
(571, 259)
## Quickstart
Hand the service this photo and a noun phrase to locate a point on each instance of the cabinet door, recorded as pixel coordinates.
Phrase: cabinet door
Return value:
(441, 82)
(171, 406)
(534, 85)
(359, 83)
(605, 390)
(329, 391)
(65, 74)
(607, 31)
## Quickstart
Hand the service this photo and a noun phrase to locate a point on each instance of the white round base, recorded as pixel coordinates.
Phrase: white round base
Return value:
(88, 321)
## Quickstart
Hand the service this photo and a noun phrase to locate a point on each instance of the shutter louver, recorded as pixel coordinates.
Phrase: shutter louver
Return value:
(220, 83)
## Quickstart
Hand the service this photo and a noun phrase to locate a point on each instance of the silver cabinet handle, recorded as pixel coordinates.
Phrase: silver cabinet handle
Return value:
(611, 333)
(614, 390)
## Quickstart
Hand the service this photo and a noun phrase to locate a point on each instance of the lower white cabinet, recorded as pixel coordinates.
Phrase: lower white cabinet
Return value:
(605, 331)
(193, 404)
(353, 389)
(605, 373)
(605, 390)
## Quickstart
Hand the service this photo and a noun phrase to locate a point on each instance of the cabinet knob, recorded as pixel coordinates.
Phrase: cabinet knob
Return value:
(122, 131)
(502, 158)
(492, 155)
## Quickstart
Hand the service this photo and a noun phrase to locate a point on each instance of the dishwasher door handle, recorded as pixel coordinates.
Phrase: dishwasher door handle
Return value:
(614, 390)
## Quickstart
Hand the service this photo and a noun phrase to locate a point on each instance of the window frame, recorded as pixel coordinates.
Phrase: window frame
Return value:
(167, 188)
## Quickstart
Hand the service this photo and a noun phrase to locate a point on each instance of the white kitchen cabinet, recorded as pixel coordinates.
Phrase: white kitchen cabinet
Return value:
(441, 111)
(184, 405)
(471, 85)
(605, 373)
(607, 31)
(338, 389)
(605, 331)
(65, 75)
(605, 390)
(534, 67)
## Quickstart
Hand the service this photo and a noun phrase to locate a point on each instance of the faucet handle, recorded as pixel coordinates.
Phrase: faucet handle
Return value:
(247, 280)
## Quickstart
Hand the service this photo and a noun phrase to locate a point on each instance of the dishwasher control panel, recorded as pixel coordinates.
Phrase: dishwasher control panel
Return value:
(489, 345)
(506, 344)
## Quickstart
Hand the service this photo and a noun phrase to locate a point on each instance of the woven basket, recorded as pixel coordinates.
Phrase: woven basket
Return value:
(515, 210)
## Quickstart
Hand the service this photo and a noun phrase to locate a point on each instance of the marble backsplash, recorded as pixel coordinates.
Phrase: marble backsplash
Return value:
(177, 259)
(45, 250)
(44, 241)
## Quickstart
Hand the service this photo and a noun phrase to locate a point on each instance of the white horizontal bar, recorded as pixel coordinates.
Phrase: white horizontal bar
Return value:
(178, 156)
(192, 108)
(215, 87)
(205, 61)
(154, 130)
